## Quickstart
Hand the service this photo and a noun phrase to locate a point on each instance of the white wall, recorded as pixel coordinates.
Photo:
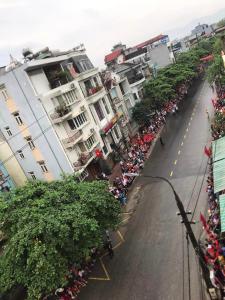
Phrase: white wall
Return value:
(39, 81)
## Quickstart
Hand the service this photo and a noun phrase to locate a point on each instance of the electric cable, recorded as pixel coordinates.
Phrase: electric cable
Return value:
(189, 271)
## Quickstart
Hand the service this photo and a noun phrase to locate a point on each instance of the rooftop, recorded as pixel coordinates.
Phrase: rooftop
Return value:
(111, 56)
(151, 41)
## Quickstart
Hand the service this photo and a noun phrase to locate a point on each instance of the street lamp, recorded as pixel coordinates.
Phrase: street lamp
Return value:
(187, 223)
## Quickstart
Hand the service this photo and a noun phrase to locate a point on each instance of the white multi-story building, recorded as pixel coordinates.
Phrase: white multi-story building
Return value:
(123, 101)
(56, 115)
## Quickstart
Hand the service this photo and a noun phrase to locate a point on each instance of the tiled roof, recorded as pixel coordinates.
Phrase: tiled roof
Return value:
(111, 56)
(155, 39)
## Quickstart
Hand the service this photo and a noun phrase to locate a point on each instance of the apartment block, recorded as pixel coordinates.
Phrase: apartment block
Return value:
(55, 113)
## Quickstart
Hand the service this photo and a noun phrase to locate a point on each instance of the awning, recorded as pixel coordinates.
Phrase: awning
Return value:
(222, 212)
(218, 156)
(218, 149)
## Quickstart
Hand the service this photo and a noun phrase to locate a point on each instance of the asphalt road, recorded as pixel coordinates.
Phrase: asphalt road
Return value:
(152, 262)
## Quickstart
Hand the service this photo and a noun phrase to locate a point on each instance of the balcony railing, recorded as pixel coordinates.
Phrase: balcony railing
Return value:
(116, 100)
(136, 78)
(82, 161)
(73, 139)
(94, 90)
(61, 114)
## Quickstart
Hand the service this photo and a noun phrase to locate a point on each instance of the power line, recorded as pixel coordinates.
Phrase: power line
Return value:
(183, 285)
(189, 271)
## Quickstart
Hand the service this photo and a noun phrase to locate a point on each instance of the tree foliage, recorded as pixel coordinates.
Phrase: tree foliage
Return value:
(48, 226)
(221, 23)
(216, 70)
(166, 85)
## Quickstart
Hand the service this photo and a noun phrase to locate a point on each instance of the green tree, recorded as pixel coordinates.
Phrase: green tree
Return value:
(221, 23)
(48, 226)
(142, 111)
(217, 46)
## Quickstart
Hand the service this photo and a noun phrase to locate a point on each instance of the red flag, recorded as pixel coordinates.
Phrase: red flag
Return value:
(204, 223)
(98, 153)
(148, 137)
(207, 151)
(71, 69)
(203, 220)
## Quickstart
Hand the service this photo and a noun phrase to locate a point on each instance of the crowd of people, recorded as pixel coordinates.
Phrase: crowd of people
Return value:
(133, 159)
(218, 129)
(214, 245)
(131, 164)
(76, 279)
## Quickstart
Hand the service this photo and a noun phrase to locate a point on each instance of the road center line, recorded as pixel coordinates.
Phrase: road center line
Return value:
(191, 118)
(187, 129)
(189, 123)
(171, 174)
(182, 143)
(175, 162)
(179, 152)
(185, 136)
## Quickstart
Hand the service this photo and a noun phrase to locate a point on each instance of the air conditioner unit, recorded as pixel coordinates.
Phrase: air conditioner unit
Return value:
(92, 130)
(72, 86)
(82, 108)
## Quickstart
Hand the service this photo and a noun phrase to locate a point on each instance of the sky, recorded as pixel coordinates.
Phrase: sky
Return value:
(99, 24)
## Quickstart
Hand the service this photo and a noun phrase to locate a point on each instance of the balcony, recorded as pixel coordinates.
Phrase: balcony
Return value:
(83, 160)
(73, 139)
(116, 100)
(94, 90)
(61, 114)
(139, 78)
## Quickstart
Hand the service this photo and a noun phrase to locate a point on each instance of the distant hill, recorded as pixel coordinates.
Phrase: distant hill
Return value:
(186, 30)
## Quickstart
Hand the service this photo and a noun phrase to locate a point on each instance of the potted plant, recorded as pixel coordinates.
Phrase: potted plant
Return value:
(62, 110)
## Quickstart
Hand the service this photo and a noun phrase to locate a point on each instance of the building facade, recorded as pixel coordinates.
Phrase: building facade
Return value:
(202, 29)
(55, 109)
(9, 164)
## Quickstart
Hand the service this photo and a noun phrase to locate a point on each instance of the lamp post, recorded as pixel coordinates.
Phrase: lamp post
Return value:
(187, 223)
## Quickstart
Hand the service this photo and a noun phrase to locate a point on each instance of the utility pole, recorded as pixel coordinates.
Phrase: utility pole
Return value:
(197, 248)
(187, 224)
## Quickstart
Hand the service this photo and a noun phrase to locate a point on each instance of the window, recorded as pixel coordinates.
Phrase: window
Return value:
(43, 167)
(4, 92)
(122, 89)
(113, 93)
(140, 94)
(30, 143)
(83, 175)
(116, 132)
(99, 111)
(105, 105)
(88, 86)
(77, 121)
(90, 142)
(105, 148)
(20, 152)
(96, 81)
(68, 98)
(8, 131)
(85, 64)
(135, 96)
(18, 118)
(32, 175)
